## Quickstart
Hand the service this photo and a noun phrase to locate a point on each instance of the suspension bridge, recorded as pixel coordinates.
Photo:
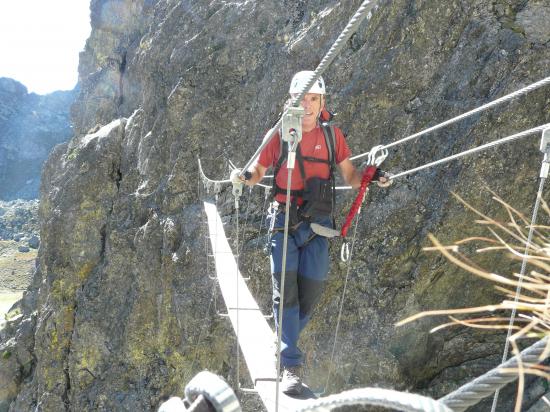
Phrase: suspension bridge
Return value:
(254, 335)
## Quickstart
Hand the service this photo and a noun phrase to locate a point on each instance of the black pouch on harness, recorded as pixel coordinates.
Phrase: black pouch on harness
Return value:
(318, 198)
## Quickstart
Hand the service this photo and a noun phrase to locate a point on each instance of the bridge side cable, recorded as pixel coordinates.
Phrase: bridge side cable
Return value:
(485, 385)
(479, 109)
(336, 48)
(473, 150)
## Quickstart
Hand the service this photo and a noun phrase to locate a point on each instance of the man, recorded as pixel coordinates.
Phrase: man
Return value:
(307, 260)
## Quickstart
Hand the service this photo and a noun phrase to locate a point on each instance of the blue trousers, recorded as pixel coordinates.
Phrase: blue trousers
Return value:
(307, 265)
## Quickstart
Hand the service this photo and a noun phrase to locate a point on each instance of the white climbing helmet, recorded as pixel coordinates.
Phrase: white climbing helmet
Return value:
(300, 79)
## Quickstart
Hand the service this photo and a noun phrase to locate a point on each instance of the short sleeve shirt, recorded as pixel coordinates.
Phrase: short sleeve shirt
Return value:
(312, 145)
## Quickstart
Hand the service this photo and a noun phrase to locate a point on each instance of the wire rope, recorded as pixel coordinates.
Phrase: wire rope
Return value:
(246, 215)
(473, 150)
(340, 310)
(336, 48)
(520, 281)
(388, 398)
(496, 102)
(237, 289)
(283, 275)
(483, 386)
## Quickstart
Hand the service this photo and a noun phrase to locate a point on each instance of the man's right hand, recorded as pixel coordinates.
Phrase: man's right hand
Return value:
(383, 179)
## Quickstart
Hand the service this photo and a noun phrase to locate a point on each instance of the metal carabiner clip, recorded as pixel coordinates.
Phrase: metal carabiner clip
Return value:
(344, 252)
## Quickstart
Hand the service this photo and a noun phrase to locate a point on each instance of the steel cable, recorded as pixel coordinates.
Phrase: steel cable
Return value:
(520, 281)
(496, 102)
(336, 48)
(339, 318)
(485, 385)
(473, 150)
(387, 398)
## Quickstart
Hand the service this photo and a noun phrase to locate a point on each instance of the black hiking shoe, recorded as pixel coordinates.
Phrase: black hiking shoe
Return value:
(291, 383)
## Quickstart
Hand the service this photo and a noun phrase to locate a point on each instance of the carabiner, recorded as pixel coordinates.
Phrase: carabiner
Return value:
(344, 252)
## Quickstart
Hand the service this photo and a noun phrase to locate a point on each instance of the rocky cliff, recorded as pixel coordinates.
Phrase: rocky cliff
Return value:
(121, 313)
(30, 126)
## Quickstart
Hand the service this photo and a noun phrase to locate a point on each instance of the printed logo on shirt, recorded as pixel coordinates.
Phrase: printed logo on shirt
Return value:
(318, 147)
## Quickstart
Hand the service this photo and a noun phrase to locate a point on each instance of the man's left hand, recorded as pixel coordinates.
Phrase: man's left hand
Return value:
(235, 177)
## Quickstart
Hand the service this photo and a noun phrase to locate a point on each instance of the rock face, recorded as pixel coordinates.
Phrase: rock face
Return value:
(122, 313)
(30, 125)
(19, 220)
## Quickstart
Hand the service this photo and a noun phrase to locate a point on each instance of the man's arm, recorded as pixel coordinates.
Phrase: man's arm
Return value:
(349, 173)
(353, 178)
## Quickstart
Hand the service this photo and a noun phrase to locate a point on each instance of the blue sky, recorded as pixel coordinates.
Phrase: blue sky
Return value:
(40, 41)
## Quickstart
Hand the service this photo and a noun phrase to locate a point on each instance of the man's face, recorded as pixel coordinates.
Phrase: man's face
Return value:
(312, 104)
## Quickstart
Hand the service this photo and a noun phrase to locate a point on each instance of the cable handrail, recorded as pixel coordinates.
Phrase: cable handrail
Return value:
(207, 179)
(447, 159)
(473, 150)
(387, 398)
(337, 46)
(496, 102)
(484, 385)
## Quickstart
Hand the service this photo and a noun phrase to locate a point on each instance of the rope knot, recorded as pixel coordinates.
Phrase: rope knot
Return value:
(377, 155)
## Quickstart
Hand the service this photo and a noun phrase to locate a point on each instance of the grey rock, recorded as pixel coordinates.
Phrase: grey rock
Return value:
(30, 125)
(19, 220)
(534, 20)
(23, 249)
(542, 405)
(34, 242)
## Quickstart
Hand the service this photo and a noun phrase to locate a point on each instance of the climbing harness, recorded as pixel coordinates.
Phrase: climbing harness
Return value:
(318, 194)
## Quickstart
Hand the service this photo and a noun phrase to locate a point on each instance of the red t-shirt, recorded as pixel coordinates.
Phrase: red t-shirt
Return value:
(312, 145)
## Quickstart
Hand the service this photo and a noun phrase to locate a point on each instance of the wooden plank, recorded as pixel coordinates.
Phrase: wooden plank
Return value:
(255, 337)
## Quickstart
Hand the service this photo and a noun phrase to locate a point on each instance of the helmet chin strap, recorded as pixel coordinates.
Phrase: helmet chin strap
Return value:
(321, 103)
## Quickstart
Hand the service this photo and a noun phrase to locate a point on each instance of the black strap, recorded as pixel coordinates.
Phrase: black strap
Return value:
(275, 188)
(328, 132)
(300, 160)
(315, 160)
(294, 193)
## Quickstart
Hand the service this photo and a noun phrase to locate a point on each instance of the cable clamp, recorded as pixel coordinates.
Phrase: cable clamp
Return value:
(545, 148)
(291, 125)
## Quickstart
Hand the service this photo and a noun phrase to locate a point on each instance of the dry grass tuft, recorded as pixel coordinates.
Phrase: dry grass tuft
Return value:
(528, 295)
